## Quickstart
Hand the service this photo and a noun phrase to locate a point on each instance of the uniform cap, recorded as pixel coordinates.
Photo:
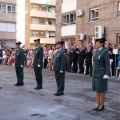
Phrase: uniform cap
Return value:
(18, 42)
(37, 40)
(100, 40)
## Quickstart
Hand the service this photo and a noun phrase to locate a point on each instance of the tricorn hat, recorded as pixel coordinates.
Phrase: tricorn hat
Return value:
(100, 40)
(37, 40)
(61, 42)
(18, 42)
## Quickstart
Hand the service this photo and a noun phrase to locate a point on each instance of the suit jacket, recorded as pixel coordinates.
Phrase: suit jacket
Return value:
(60, 61)
(38, 57)
(19, 57)
(101, 64)
(82, 55)
(69, 56)
(75, 55)
(89, 55)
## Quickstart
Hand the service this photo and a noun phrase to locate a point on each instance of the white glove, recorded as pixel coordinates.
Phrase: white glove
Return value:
(105, 77)
(21, 66)
(39, 65)
(61, 71)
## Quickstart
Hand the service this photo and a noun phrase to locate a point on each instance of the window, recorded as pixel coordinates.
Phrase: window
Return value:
(69, 19)
(118, 8)
(35, 8)
(13, 9)
(7, 8)
(35, 20)
(35, 34)
(94, 14)
(3, 8)
(118, 39)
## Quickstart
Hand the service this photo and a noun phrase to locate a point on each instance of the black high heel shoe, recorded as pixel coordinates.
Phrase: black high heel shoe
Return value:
(95, 108)
(101, 109)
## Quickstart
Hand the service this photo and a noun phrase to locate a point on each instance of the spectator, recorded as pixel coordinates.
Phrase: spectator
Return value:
(75, 52)
(81, 58)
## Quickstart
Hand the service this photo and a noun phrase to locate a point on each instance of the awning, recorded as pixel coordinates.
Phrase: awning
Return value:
(47, 6)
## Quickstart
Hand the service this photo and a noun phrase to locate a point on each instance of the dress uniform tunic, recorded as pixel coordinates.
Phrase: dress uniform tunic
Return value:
(59, 69)
(38, 64)
(101, 67)
(19, 65)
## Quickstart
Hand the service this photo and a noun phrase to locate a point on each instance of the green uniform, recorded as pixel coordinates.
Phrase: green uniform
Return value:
(59, 69)
(38, 60)
(101, 67)
(19, 65)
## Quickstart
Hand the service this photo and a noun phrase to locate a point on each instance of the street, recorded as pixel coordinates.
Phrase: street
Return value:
(24, 103)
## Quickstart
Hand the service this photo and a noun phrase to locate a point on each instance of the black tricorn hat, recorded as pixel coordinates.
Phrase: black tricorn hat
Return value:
(37, 40)
(61, 42)
(100, 40)
(18, 42)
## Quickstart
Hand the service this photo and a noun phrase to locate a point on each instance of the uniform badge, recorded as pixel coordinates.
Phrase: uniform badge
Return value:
(58, 55)
(36, 52)
(99, 57)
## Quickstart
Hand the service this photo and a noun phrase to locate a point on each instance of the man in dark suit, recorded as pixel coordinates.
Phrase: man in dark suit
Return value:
(38, 63)
(19, 64)
(69, 59)
(59, 68)
(75, 51)
(81, 58)
(89, 60)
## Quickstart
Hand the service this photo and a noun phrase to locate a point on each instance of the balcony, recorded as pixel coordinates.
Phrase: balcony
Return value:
(51, 2)
(44, 40)
(8, 17)
(42, 27)
(42, 14)
(7, 35)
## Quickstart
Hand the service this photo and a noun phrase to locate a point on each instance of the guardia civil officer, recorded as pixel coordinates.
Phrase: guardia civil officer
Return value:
(100, 73)
(59, 68)
(38, 63)
(19, 64)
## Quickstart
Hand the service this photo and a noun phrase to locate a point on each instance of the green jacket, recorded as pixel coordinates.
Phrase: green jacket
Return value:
(38, 57)
(60, 60)
(19, 57)
(101, 64)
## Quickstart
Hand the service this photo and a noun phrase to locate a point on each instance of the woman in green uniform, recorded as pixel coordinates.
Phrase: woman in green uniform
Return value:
(60, 68)
(100, 73)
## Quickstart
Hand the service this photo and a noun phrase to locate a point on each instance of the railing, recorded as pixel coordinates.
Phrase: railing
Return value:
(42, 37)
(44, 10)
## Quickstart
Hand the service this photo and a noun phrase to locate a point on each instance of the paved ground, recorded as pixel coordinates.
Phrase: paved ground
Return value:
(24, 103)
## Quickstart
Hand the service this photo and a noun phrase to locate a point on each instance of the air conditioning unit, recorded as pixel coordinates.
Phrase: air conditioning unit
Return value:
(81, 36)
(79, 13)
(99, 32)
(119, 13)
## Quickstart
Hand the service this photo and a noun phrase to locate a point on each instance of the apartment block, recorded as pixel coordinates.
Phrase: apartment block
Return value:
(40, 22)
(7, 23)
(82, 22)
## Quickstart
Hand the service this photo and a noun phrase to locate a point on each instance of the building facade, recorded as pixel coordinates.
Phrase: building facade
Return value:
(40, 22)
(82, 22)
(7, 23)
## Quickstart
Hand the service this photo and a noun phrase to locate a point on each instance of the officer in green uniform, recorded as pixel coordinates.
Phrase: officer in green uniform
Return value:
(60, 68)
(100, 73)
(19, 64)
(38, 63)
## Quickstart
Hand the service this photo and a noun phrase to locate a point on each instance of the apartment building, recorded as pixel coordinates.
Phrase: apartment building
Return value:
(7, 23)
(40, 22)
(82, 22)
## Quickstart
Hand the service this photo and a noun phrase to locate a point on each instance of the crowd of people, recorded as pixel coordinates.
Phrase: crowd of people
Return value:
(79, 58)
